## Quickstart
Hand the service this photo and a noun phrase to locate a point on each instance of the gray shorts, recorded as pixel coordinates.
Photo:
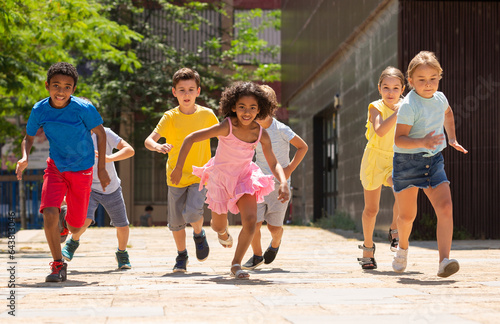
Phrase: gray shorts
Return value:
(185, 205)
(114, 205)
(272, 210)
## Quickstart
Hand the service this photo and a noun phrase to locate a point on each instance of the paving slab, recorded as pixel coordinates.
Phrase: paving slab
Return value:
(314, 279)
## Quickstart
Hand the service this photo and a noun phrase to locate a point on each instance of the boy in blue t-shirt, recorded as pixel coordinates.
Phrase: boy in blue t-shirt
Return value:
(67, 122)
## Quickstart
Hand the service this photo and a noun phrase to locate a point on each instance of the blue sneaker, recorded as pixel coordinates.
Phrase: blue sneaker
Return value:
(202, 248)
(181, 262)
(69, 249)
(122, 259)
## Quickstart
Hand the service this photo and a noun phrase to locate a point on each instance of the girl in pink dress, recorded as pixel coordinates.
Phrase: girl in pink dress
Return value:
(233, 181)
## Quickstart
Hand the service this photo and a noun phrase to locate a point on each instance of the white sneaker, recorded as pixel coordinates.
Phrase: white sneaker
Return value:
(448, 267)
(400, 260)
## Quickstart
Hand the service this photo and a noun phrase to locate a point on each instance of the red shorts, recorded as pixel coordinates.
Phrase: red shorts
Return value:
(76, 186)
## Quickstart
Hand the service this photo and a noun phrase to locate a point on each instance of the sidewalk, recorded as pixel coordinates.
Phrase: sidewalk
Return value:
(314, 279)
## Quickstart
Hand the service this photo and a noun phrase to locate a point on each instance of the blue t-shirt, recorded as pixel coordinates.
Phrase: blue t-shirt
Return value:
(424, 115)
(280, 135)
(68, 132)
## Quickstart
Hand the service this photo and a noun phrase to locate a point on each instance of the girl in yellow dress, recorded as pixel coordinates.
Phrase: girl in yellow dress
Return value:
(376, 165)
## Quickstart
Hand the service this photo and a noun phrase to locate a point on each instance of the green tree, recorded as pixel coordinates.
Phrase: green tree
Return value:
(148, 89)
(35, 34)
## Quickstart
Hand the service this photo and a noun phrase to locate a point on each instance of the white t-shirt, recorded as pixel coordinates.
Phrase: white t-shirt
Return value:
(280, 135)
(112, 141)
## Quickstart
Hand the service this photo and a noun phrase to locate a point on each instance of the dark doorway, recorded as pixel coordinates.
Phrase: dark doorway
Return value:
(325, 162)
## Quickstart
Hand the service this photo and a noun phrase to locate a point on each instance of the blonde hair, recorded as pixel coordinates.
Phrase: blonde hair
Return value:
(424, 58)
(391, 71)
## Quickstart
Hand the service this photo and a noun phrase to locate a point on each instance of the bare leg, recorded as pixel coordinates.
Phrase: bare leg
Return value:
(277, 234)
(395, 212)
(197, 226)
(219, 224)
(248, 210)
(256, 244)
(372, 200)
(440, 198)
(122, 234)
(76, 236)
(407, 203)
(180, 239)
(51, 229)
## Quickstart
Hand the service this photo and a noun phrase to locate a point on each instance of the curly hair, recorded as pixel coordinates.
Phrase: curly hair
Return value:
(64, 69)
(241, 89)
(272, 96)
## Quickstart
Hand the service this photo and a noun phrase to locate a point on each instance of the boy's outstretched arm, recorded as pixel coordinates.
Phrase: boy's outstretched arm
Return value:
(267, 149)
(101, 158)
(151, 143)
(22, 164)
(449, 126)
(302, 148)
(125, 150)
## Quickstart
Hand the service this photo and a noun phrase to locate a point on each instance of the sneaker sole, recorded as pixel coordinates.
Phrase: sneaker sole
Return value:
(66, 258)
(449, 270)
(252, 267)
(180, 270)
(125, 267)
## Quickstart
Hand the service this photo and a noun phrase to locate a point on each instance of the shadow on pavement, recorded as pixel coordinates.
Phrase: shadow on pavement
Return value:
(58, 285)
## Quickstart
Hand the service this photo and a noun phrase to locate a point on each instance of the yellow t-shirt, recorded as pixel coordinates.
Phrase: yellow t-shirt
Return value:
(386, 142)
(174, 126)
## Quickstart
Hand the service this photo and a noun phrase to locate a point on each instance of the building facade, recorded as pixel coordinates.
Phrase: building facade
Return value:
(332, 55)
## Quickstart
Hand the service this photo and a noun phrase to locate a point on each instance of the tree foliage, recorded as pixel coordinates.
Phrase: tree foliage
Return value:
(113, 40)
(35, 34)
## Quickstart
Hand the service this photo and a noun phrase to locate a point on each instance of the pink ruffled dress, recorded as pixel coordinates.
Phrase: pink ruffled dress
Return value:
(231, 174)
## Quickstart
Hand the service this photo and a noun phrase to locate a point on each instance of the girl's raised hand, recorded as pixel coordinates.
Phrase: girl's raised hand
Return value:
(458, 147)
(284, 193)
(431, 141)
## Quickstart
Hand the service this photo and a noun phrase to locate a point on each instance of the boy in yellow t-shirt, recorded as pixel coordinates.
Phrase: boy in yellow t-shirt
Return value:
(185, 201)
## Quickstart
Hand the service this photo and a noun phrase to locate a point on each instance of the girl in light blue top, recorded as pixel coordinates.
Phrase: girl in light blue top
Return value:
(418, 162)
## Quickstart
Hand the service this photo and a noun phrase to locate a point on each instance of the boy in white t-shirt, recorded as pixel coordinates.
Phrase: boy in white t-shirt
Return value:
(111, 200)
(273, 210)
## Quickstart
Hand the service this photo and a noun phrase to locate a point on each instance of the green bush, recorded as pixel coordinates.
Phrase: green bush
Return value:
(340, 220)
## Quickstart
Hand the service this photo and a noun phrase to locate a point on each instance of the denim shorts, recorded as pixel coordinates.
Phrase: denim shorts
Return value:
(415, 170)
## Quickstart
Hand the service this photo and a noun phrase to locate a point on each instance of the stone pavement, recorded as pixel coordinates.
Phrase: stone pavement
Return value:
(314, 279)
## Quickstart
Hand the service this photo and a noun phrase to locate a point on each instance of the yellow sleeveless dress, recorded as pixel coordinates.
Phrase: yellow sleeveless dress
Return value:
(376, 165)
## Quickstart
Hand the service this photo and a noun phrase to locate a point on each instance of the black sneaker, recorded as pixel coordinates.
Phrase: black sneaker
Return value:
(270, 254)
(181, 262)
(59, 272)
(202, 248)
(253, 262)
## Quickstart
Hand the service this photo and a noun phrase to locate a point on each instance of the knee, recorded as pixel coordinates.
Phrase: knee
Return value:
(275, 229)
(219, 228)
(249, 221)
(370, 211)
(444, 209)
(405, 217)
